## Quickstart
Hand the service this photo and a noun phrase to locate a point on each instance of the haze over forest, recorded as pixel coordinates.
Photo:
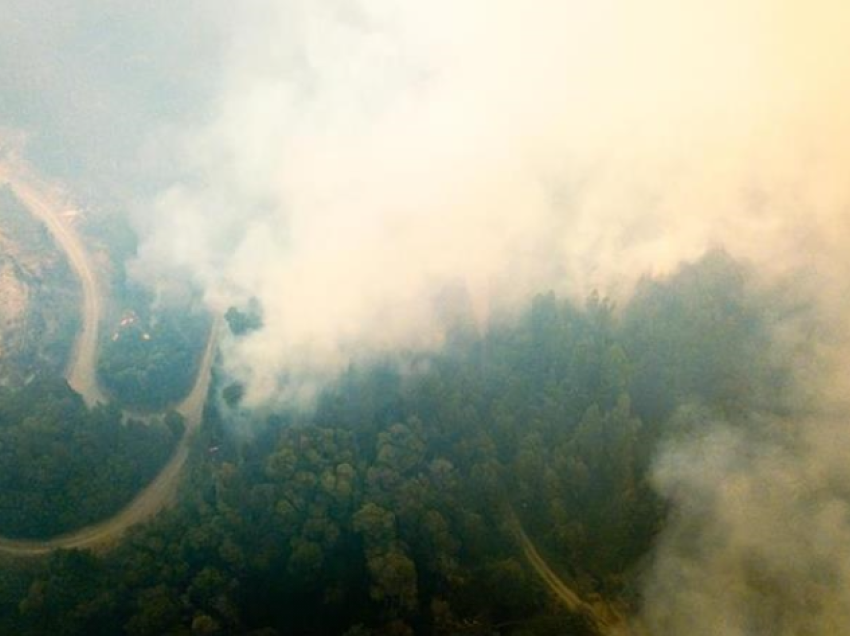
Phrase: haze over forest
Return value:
(373, 317)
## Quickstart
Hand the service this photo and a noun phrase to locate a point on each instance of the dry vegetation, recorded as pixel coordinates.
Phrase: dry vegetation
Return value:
(38, 296)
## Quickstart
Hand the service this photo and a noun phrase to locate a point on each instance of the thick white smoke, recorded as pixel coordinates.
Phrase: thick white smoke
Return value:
(758, 541)
(366, 154)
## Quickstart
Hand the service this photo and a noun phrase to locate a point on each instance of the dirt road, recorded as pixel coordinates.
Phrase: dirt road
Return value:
(45, 205)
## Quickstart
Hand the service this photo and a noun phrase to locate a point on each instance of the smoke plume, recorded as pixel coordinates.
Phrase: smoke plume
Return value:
(365, 155)
(758, 540)
(361, 156)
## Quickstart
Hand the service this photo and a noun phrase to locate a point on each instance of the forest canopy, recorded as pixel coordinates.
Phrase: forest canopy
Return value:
(63, 466)
(149, 358)
(388, 508)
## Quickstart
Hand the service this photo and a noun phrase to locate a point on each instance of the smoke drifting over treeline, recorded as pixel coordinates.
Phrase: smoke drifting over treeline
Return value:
(359, 157)
(365, 154)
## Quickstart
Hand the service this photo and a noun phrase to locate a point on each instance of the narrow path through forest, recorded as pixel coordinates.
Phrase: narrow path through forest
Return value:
(603, 619)
(44, 204)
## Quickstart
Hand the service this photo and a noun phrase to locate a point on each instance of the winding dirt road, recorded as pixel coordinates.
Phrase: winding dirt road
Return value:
(82, 377)
(45, 205)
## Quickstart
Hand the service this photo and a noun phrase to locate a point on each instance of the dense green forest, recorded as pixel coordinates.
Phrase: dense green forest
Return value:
(63, 466)
(149, 357)
(386, 509)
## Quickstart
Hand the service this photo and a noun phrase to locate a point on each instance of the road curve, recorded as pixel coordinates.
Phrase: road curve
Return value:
(155, 496)
(45, 204)
(81, 374)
